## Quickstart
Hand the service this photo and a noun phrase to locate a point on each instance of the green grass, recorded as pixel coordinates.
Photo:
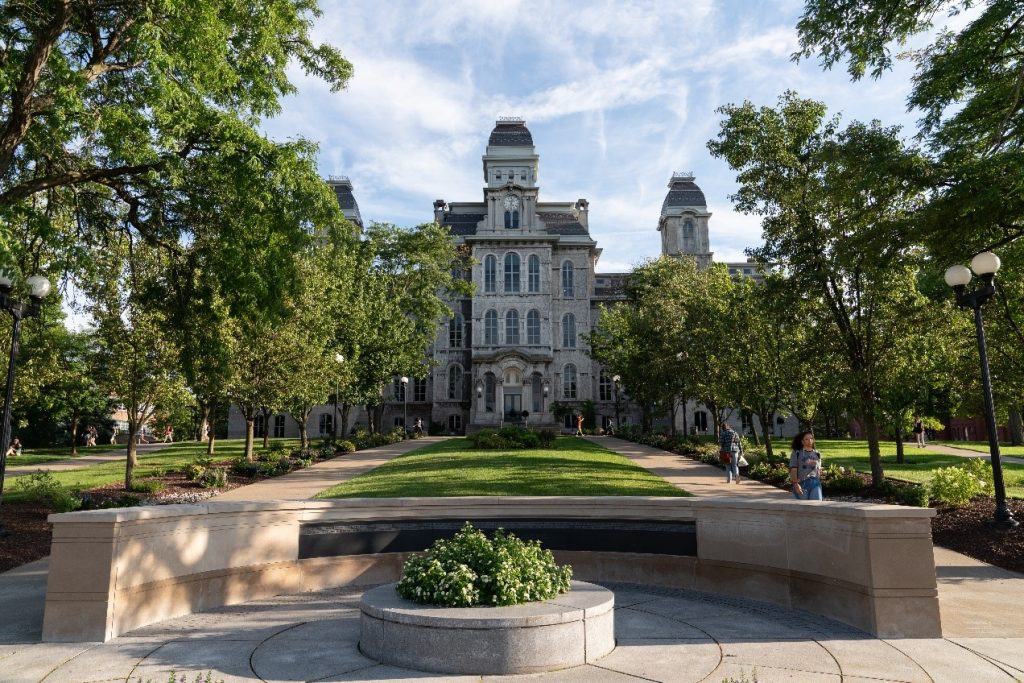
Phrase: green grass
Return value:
(917, 466)
(166, 459)
(572, 467)
(982, 447)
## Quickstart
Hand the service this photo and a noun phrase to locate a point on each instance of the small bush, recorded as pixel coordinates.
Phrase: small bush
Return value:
(147, 486)
(547, 437)
(272, 455)
(193, 471)
(345, 447)
(43, 487)
(214, 478)
(841, 481)
(982, 469)
(245, 468)
(914, 495)
(507, 438)
(301, 463)
(471, 569)
(955, 486)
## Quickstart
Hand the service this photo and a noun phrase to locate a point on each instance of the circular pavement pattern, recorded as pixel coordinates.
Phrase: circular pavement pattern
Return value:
(662, 635)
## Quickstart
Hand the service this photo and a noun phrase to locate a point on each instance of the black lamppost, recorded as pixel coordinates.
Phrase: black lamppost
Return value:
(543, 399)
(339, 359)
(985, 265)
(405, 407)
(615, 380)
(39, 287)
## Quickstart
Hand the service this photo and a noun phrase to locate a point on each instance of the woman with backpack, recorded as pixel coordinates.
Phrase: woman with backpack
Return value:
(805, 468)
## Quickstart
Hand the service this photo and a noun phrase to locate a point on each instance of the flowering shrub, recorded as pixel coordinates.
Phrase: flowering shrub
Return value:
(839, 480)
(955, 486)
(345, 447)
(982, 469)
(505, 438)
(471, 569)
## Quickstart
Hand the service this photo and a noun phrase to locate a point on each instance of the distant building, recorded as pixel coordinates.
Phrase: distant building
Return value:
(516, 346)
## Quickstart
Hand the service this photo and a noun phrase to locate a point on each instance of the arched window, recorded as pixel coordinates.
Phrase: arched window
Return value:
(491, 327)
(490, 392)
(326, 424)
(419, 391)
(455, 331)
(533, 270)
(688, 227)
(512, 327)
(569, 331)
(455, 382)
(569, 381)
(604, 387)
(512, 272)
(533, 327)
(490, 274)
(512, 219)
(567, 280)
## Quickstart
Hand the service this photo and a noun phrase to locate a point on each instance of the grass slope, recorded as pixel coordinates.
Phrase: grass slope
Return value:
(918, 464)
(982, 447)
(573, 467)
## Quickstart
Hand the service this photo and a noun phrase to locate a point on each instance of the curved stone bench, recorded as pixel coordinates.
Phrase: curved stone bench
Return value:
(570, 630)
(870, 566)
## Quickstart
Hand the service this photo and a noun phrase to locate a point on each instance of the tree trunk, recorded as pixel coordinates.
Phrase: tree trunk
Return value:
(266, 427)
(301, 419)
(133, 455)
(210, 419)
(1016, 427)
(686, 427)
(204, 424)
(753, 432)
(672, 419)
(874, 452)
(899, 443)
(75, 418)
(345, 408)
(250, 427)
(766, 433)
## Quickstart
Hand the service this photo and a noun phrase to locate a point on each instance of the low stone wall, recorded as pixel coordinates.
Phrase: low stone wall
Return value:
(870, 566)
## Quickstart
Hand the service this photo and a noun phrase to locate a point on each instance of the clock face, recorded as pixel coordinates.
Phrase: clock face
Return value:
(511, 202)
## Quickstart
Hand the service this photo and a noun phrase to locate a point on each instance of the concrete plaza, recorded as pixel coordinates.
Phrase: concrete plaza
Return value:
(662, 634)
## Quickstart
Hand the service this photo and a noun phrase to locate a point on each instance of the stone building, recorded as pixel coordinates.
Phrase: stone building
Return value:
(514, 352)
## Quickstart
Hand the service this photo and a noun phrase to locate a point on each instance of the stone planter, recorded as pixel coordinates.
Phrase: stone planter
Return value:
(571, 630)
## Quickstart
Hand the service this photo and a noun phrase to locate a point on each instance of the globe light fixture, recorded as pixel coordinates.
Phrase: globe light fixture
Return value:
(339, 359)
(405, 400)
(985, 265)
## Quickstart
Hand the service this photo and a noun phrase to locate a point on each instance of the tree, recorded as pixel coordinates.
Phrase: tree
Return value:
(138, 360)
(75, 390)
(832, 204)
(113, 102)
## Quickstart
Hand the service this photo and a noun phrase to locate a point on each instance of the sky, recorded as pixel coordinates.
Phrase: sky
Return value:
(617, 95)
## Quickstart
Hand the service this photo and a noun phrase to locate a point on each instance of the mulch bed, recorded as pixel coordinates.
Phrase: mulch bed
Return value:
(968, 531)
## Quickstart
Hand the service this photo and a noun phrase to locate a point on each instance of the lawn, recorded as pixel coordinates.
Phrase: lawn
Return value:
(572, 467)
(171, 457)
(982, 447)
(917, 467)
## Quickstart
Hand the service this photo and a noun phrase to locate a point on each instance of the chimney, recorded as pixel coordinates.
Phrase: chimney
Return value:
(582, 212)
(440, 209)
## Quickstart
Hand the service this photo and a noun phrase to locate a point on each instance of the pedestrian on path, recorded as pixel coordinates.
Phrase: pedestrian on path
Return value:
(730, 448)
(15, 448)
(579, 425)
(805, 468)
(919, 431)
(113, 436)
(168, 434)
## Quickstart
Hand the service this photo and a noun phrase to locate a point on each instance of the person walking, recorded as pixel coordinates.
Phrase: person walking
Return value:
(168, 434)
(90, 436)
(730, 448)
(805, 468)
(579, 425)
(15, 448)
(919, 431)
(113, 436)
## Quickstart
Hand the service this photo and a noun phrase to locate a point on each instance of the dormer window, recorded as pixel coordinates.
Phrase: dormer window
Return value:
(688, 228)
(497, 175)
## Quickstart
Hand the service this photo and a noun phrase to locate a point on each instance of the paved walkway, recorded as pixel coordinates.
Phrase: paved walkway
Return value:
(962, 452)
(86, 457)
(662, 635)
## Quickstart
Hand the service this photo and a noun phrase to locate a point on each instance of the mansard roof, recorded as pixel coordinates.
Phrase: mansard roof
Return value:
(682, 191)
(510, 134)
(342, 187)
(461, 224)
(561, 223)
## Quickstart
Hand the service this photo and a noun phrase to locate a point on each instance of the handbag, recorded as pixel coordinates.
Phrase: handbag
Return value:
(725, 457)
(743, 462)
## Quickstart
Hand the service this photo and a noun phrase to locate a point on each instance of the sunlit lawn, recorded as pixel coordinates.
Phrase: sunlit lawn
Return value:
(982, 447)
(572, 467)
(168, 458)
(918, 465)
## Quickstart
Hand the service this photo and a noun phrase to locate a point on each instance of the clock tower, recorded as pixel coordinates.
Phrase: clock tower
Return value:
(510, 165)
